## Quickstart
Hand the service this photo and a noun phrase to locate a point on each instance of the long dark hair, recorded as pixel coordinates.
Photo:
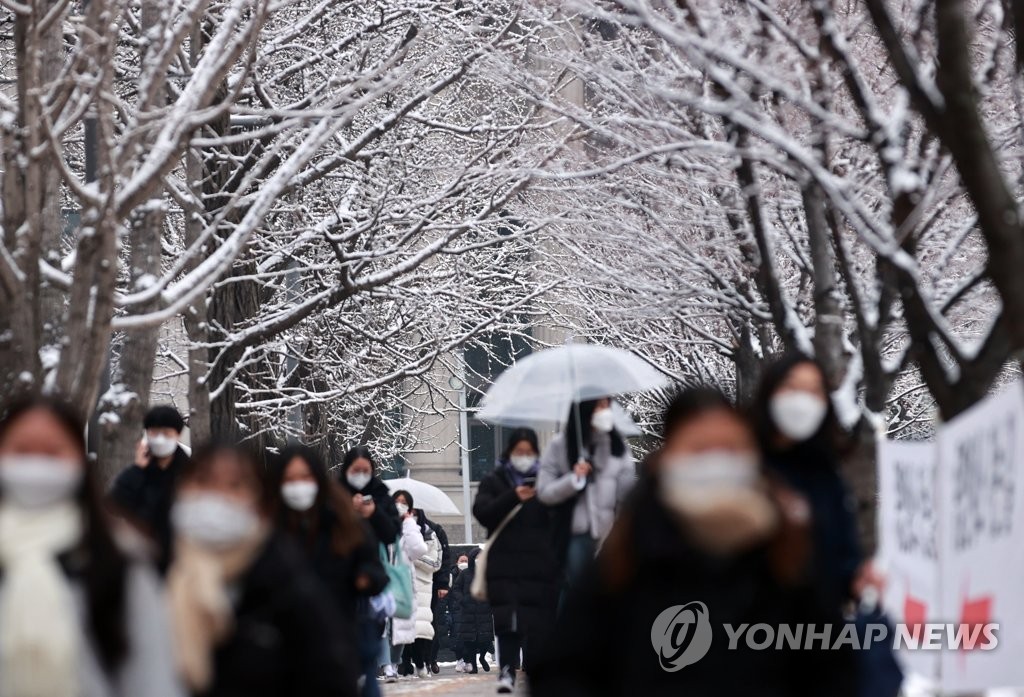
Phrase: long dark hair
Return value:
(421, 517)
(581, 413)
(332, 504)
(691, 403)
(105, 570)
(516, 437)
(204, 457)
(360, 452)
(828, 439)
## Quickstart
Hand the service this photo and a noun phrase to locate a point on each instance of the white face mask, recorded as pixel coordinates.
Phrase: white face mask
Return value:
(37, 481)
(694, 483)
(299, 496)
(522, 463)
(798, 415)
(463, 565)
(402, 509)
(358, 480)
(213, 521)
(603, 421)
(161, 446)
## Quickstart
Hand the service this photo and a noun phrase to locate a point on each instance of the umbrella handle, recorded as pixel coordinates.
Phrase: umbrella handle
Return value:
(575, 404)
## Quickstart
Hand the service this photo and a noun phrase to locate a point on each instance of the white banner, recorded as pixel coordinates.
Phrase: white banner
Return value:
(981, 550)
(951, 537)
(908, 541)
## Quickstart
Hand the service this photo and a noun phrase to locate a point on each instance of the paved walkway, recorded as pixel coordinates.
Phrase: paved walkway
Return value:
(450, 684)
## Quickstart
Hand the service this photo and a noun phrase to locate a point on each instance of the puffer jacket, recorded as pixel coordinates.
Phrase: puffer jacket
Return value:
(522, 568)
(412, 546)
(599, 497)
(472, 624)
(425, 566)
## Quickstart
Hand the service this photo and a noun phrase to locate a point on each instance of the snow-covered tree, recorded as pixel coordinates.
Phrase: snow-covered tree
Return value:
(750, 178)
(316, 189)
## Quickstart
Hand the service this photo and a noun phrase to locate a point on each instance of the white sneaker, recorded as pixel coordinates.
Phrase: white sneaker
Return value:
(506, 682)
(390, 674)
(424, 672)
(460, 666)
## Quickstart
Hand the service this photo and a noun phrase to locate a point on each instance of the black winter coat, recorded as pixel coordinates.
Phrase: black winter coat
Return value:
(384, 521)
(339, 573)
(471, 618)
(602, 644)
(522, 566)
(442, 578)
(145, 495)
(837, 555)
(289, 638)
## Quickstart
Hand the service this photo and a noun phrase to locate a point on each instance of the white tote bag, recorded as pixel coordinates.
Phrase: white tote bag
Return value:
(478, 589)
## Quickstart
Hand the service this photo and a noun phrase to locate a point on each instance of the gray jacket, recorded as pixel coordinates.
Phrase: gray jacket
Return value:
(599, 496)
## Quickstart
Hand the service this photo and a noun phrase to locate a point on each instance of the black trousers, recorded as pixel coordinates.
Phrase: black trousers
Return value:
(417, 653)
(509, 645)
(472, 649)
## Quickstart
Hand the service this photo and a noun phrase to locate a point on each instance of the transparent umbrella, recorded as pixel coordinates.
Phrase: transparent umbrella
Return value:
(540, 388)
(426, 497)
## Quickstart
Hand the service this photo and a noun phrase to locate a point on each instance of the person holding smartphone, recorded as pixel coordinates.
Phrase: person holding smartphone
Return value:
(144, 491)
(522, 565)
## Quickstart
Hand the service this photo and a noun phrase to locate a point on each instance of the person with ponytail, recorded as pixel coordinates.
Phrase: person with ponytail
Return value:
(78, 614)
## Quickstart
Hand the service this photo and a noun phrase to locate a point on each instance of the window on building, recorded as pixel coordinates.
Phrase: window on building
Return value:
(485, 360)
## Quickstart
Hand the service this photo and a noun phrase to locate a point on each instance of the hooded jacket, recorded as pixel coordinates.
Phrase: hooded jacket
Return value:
(411, 546)
(425, 566)
(472, 623)
(596, 501)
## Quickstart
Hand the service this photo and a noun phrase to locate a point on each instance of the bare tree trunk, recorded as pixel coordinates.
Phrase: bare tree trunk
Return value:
(196, 316)
(125, 406)
(828, 315)
(748, 364)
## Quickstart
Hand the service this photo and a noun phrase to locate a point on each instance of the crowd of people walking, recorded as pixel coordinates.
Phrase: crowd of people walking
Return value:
(222, 572)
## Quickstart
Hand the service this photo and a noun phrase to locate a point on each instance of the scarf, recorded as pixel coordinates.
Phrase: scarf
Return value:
(732, 524)
(41, 636)
(519, 478)
(201, 611)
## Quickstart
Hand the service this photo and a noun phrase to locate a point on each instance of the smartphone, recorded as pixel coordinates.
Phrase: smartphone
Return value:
(530, 481)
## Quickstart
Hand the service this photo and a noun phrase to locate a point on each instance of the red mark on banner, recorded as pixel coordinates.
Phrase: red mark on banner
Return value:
(975, 613)
(915, 614)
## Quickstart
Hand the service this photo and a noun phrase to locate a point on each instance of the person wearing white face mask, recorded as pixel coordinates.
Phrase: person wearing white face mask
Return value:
(522, 580)
(142, 493)
(416, 551)
(798, 433)
(585, 472)
(705, 531)
(249, 617)
(370, 495)
(317, 514)
(415, 655)
(78, 615)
